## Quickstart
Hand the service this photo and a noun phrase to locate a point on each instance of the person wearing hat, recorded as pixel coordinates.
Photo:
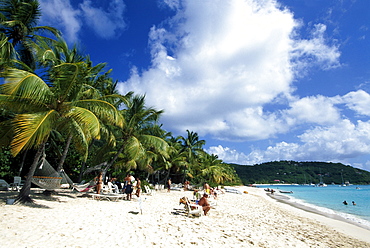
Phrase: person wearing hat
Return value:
(204, 203)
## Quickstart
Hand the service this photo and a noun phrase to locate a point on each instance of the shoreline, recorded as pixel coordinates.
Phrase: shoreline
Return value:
(334, 221)
(238, 220)
(286, 200)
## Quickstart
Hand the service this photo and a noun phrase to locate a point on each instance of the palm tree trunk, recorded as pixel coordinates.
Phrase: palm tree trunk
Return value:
(83, 166)
(167, 176)
(64, 155)
(24, 194)
(112, 162)
(22, 163)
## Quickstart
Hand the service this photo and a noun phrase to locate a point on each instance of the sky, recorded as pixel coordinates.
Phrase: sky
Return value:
(258, 80)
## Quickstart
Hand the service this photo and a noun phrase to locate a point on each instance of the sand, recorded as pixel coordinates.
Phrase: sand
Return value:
(248, 220)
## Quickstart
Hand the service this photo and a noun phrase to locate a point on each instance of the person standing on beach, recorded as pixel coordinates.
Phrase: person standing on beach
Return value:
(99, 182)
(204, 203)
(186, 185)
(128, 191)
(138, 187)
(207, 188)
(169, 185)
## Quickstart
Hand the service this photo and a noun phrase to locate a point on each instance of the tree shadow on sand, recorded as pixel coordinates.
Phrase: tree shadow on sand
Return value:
(52, 196)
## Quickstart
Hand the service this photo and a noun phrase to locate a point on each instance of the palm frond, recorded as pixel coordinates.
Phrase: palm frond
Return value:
(31, 130)
(86, 119)
(134, 149)
(64, 77)
(25, 85)
(104, 110)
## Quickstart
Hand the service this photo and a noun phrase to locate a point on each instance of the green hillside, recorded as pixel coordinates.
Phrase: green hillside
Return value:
(301, 173)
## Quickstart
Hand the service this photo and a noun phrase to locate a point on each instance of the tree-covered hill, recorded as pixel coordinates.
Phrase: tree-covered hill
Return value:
(301, 173)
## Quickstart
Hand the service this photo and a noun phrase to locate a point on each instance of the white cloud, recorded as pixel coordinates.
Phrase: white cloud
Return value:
(343, 140)
(60, 14)
(336, 143)
(358, 101)
(313, 109)
(105, 22)
(227, 154)
(218, 63)
(307, 53)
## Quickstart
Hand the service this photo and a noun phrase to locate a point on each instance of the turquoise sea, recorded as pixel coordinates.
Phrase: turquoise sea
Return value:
(330, 199)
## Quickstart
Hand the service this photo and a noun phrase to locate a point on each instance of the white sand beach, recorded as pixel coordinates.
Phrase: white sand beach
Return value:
(247, 220)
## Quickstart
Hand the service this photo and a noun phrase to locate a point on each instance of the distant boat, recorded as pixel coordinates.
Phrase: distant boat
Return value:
(286, 192)
(343, 184)
(321, 183)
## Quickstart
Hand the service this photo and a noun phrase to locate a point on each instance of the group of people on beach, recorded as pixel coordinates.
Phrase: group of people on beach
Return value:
(130, 184)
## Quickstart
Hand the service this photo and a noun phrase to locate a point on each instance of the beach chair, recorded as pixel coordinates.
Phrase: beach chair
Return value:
(110, 188)
(191, 208)
(4, 185)
(148, 190)
(106, 190)
(17, 183)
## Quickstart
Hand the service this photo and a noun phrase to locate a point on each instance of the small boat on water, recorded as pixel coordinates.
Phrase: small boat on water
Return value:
(286, 192)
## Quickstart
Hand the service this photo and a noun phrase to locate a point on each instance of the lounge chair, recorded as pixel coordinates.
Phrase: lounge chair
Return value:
(109, 197)
(191, 208)
(232, 190)
(86, 187)
(4, 185)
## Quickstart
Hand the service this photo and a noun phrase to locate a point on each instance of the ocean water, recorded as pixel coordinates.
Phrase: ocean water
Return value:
(330, 199)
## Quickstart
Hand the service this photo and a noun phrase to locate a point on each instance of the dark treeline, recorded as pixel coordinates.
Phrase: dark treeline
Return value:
(301, 173)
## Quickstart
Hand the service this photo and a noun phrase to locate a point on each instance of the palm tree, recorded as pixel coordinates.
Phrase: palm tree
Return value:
(192, 145)
(213, 169)
(18, 21)
(137, 146)
(53, 103)
(96, 85)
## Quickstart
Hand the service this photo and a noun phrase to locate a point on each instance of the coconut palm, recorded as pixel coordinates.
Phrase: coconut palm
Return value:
(18, 21)
(95, 85)
(53, 103)
(213, 169)
(192, 146)
(137, 147)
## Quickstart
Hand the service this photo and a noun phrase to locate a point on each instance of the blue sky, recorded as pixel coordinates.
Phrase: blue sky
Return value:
(258, 80)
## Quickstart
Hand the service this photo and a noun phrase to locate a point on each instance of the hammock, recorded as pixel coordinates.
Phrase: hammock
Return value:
(46, 177)
(48, 183)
